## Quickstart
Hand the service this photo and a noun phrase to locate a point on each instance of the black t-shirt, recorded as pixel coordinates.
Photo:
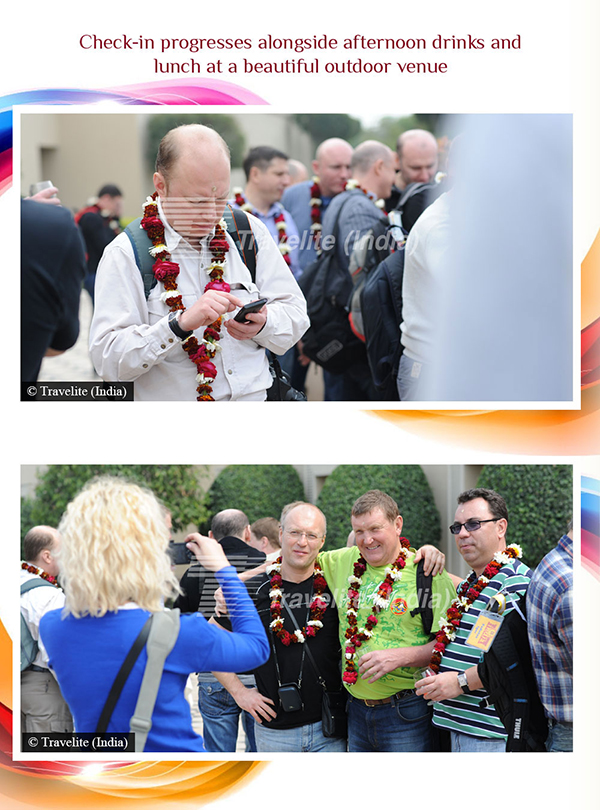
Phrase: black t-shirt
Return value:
(325, 648)
(199, 585)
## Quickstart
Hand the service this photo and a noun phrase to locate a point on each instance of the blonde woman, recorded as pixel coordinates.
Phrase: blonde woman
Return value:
(115, 572)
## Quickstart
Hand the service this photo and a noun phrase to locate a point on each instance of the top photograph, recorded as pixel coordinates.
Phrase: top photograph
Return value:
(409, 261)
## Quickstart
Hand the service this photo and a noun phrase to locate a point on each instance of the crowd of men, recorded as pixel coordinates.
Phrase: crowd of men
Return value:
(140, 327)
(355, 628)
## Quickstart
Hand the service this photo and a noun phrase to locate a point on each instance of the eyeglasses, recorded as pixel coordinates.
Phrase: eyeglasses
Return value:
(297, 535)
(470, 525)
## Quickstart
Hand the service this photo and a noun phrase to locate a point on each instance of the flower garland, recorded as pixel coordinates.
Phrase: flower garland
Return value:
(318, 606)
(352, 184)
(468, 593)
(316, 210)
(201, 352)
(282, 244)
(356, 635)
(33, 569)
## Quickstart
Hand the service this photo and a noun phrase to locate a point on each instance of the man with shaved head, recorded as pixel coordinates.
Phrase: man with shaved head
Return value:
(416, 185)
(175, 335)
(43, 708)
(358, 210)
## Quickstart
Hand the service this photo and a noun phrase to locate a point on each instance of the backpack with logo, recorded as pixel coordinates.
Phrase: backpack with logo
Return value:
(29, 645)
(508, 677)
(240, 230)
(327, 286)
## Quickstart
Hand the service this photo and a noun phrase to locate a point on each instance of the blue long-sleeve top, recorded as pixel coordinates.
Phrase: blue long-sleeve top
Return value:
(87, 652)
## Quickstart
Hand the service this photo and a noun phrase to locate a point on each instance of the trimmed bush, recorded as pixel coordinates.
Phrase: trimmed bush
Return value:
(176, 485)
(405, 483)
(539, 498)
(259, 490)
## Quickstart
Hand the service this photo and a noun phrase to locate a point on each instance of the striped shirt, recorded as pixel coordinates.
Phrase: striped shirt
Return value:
(550, 627)
(464, 713)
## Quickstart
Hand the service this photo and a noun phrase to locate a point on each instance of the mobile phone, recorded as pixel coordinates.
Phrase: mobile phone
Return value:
(253, 306)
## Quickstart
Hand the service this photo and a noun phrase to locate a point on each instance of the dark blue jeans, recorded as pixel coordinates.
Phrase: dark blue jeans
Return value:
(402, 725)
(220, 718)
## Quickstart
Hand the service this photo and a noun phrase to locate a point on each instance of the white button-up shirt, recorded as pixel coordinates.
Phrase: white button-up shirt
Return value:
(130, 338)
(34, 604)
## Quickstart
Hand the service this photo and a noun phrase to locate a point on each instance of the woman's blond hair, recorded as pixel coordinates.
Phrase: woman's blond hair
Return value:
(114, 549)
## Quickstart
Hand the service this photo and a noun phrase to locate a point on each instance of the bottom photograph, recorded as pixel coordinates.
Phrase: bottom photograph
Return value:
(288, 608)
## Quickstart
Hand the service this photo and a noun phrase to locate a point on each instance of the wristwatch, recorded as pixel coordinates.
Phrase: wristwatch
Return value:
(175, 328)
(463, 683)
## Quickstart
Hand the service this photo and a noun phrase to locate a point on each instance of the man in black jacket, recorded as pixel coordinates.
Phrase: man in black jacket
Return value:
(220, 713)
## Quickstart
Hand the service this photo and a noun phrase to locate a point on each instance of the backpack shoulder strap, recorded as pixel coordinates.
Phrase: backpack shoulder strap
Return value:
(34, 583)
(141, 243)
(240, 230)
(161, 640)
(424, 586)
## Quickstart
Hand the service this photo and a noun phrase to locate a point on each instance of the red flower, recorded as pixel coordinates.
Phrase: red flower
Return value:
(220, 286)
(219, 245)
(207, 368)
(165, 270)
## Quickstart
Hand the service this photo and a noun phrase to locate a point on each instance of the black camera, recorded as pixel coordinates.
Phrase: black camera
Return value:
(180, 553)
(290, 698)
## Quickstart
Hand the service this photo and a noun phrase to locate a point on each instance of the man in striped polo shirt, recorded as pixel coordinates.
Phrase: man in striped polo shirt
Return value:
(479, 527)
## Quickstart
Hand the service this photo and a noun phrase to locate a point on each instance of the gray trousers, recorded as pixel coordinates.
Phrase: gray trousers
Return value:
(43, 707)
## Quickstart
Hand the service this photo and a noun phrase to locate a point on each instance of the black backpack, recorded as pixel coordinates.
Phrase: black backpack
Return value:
(425, 598)
(327, 287)
(381, 307)
(508, 677)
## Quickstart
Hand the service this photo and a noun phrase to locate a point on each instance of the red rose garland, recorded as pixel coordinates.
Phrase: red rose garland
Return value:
(201, 352)
(33, 569)
(316, 206)
(468, 593)
(318, 606)
(355, 636)
(284, 248)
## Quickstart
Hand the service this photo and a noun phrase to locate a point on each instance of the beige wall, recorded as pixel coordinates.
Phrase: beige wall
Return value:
(80, 152)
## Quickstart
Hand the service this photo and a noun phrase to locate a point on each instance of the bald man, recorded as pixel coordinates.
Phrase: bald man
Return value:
(360, 210)
(43, 708)
(417, 152)
(180, 341)
(307, 202)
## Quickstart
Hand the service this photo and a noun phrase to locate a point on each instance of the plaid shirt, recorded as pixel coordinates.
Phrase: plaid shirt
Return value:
(550, 623)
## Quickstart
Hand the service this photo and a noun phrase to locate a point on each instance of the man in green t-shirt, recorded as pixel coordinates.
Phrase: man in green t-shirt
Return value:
(383, 644)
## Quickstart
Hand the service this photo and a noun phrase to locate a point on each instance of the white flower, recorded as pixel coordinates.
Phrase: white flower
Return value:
(381, 603)
(315, 623)
(275, 593)
(283, 248)
(237, 190)
(157, 249)
(223, 224)
(299, 636)
(351, 184)
(280, 226)
(202, 380)
(352, 580)
(274, 567)
(275, 624)
(316, 226)
(315, 201)
(517, 549)
(380, 203)
(164, 296)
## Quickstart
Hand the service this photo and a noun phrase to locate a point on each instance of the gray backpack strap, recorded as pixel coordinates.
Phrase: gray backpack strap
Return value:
(141, 244)
(162, 638)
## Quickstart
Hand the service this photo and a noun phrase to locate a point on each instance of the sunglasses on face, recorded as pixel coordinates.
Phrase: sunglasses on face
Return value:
(470, 525)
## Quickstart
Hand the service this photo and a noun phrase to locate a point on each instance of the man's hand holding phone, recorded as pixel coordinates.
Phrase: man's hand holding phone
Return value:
(249, 321)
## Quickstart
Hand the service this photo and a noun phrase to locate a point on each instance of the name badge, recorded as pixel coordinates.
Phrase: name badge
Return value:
(484, 631)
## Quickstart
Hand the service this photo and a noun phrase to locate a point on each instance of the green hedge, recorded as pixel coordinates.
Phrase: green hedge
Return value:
(259, 490)
(539, 498)
(405, 483)
(177, 485)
